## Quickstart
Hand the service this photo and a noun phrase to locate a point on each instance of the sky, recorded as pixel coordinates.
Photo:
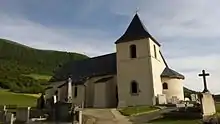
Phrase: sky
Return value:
(189, 30)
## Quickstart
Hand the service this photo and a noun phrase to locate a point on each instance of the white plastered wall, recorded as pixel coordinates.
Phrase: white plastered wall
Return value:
(90, 87)
(175, 88)
(62, 93)
(158, 66)
(138, 69)
(54, 87)
(80, 97)
(105, 94)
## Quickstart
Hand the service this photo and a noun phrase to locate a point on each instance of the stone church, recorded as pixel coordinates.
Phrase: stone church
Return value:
(136, 74)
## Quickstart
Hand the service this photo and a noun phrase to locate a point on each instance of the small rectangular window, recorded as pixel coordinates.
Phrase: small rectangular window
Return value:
(133, 52)
(75, 91)
(155, 52)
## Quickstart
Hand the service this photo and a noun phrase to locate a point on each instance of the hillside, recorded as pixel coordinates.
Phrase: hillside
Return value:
(25, 69)
(187, 92)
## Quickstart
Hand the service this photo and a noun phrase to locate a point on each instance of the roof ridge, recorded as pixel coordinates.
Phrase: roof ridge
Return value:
(163, 59)
(135, 31)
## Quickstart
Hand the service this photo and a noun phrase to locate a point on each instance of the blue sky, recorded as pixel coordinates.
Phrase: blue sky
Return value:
(189, 31)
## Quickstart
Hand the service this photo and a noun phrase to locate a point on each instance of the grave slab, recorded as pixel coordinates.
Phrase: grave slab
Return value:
(9, 118)
(162, 99)
(174, 100)
(2, 116)
(194, 97)
(208, 104)
(180, 105)
(23, 114)
(2, 108)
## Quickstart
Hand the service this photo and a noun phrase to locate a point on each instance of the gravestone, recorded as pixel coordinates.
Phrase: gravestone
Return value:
(54, 99)
(189, 105)
(207, 100)
(62, 111)
(2, 113)
(23, 114)
(174, 100)
(2, 116)
(194, 97)
(161, 99)
(204, 80)
(2, 107)
(9, 119)
(186, 99)
(182, 105)
(77, 115)
(41, 102)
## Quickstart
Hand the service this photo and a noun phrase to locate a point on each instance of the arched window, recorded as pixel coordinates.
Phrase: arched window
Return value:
(134, 87)
(133, 52)
(165, 86)
(75, 91)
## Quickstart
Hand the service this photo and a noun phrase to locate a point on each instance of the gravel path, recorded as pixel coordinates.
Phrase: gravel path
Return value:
(107, 116)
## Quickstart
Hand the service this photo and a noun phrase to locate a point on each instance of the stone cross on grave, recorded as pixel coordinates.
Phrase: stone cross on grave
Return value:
(204, 80)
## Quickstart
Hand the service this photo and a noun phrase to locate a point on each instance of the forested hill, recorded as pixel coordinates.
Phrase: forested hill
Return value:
(25, 69)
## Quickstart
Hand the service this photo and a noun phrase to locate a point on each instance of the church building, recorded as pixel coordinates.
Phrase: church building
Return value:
(136, 74)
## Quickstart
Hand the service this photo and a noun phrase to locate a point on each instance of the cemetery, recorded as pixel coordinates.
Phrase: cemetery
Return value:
(28, 115)
(199, 108)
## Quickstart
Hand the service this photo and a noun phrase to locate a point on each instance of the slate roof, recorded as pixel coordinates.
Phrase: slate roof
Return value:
(80, 70)
(167, 72)
(135, 31)
(104, 79)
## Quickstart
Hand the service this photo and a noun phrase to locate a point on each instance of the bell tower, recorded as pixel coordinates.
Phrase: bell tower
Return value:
(134, 65)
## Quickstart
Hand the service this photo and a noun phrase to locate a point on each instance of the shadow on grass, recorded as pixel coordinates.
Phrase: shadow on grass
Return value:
(128, 111)
(174, 121)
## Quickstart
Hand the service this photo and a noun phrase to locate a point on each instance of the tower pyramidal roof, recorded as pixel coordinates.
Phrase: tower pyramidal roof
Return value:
(135, 31)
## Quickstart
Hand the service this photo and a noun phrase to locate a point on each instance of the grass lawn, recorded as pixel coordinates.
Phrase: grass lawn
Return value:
(169, 121)
(38, 76)
(128, 111)
(19, 99)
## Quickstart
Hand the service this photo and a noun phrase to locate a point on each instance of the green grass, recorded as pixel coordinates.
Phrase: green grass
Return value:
(169, 121)
(38, 76)
(22, 100)
(128, 111)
